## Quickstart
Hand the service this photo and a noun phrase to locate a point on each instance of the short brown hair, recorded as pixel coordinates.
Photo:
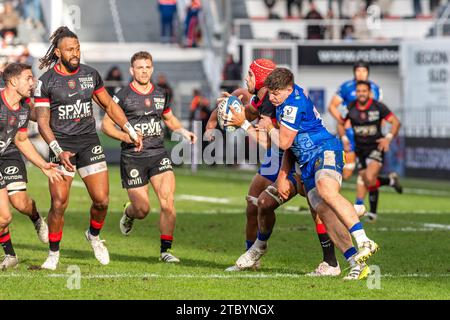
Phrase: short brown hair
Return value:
(13, 70)
(364, 83)
(278, 79)
(141, 55)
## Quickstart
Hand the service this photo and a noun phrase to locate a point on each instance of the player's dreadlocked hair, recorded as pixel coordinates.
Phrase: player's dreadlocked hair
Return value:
(50, 57)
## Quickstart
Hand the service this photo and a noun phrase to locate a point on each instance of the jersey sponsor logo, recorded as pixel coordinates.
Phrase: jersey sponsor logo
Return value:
(134, 173)
(72, 94)
(166, 164)
(289, 114)
(72, 84)
(86, 83)
(152, 128)
(159, 103)
(4, 145)
(11, 170)
(374, 115)
(38, 89)
(75, 111)
(365, 131)
(97, 150)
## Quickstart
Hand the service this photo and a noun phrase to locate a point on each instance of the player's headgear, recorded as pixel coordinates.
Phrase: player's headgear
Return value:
(261, 68)
(361, 64)
(50, 57)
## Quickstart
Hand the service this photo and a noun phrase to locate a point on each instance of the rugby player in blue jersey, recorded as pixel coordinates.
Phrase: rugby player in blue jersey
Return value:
(320, 156)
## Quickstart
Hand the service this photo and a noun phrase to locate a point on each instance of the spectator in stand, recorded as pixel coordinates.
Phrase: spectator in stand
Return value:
(192, 25)
(348, 33)
(417, 8)
(162, 82)
(32, 12)
(231, 72)
(315, 32)
(9, 20)
(270, 4)
(362, 31)
(167, 10)
(113, 80)
(298, 4)
(339, 4)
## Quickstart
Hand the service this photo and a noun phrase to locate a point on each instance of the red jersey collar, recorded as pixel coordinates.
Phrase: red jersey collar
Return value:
(368, 104)
(142, 93)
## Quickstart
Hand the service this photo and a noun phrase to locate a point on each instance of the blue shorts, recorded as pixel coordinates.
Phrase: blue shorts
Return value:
(351, 137)
(271, 165)
(328, 159)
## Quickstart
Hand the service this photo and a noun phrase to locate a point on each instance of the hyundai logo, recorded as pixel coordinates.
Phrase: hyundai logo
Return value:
(165, 162)
(97, 150)
(11, 170)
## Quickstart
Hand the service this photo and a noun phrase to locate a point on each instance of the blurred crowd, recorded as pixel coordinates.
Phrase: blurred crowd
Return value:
(335, 8)
(13, 13)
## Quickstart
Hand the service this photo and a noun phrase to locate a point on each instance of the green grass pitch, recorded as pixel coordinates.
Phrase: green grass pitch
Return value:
(413, 231)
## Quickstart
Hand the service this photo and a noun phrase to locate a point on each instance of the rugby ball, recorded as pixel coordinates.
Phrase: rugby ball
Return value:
(224, 113)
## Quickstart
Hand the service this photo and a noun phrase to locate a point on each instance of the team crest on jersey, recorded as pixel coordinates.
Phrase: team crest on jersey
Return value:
(72, 84)
(374, 115)
(159, 103)
(147, 103)
(86, 83)
(363, 116)
(289, 114)
(12, 121)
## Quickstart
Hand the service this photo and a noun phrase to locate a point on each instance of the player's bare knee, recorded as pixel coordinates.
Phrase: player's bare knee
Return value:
(141, 211)
(5, 221)
(59, 206)
(167, 205)
(101, 205)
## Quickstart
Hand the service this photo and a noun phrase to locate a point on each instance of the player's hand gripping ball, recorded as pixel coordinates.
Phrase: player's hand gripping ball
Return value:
(224, 113)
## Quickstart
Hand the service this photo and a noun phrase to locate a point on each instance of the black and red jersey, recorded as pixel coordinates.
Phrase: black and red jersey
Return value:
(69, 97)
(144, 112)
(11, 122)
(264, 107)
(366, 121)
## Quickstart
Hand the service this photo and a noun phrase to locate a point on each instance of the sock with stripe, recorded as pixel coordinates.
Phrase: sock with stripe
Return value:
(357, 231)
(95, 227)
(54, 240)
(349, 256)
(249, 243)
(327, 245)
(5, 241)
(166, 242)
(262, 238)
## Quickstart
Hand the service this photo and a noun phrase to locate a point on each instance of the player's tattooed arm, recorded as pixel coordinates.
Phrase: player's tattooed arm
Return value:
(26, 147)
(175, 125)
(110, 129)
(43, 120)
(115, 112)
(333, 108)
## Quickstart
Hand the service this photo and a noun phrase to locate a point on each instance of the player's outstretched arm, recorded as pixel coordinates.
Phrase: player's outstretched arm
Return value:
(116, 114)
(26, 147)
(283, 138)
(333, 108)
(175, 125)
(110, 129)
(43, 120)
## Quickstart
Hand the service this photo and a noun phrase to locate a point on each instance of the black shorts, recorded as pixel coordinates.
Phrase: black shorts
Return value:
(14, 172)
(89, 158)
(367, 154)
(136, 172)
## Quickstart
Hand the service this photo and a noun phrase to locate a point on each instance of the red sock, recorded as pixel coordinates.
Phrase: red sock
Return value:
(54, 240)
(95, 227)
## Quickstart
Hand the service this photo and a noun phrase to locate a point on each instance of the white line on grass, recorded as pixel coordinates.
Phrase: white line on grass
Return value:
(203, 199)
(205, 276)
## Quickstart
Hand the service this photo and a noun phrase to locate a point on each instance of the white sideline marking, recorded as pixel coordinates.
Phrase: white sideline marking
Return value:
(207, 276)
(203, 199)
(437, 226)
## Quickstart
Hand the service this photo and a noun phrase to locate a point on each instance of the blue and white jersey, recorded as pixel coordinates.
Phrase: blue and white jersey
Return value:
(347, 91)
(298, 113)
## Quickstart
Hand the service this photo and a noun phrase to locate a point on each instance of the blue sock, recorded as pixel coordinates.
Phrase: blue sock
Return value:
(359, 201)
(264, 236)
(249, 243)
(349, 253)
(356, 227)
